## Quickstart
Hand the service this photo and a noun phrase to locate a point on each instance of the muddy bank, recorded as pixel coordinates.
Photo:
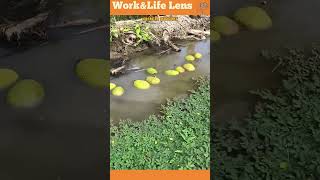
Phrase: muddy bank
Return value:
(132, 36)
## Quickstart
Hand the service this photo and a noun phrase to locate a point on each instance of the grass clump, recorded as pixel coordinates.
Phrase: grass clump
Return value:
(178, 139)
(281, 140)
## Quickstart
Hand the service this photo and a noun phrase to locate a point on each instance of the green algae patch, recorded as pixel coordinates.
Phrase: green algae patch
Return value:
(152, 71)
(215, 36)
(254, 18)
(141, 84)
(189, 67)
(26, 93)
(112, 86)
(225, 25)
(153, 80)
(190, 58)
(94, 72)
(171, 72)
(180, 69)
(198, 55)
(7, 78)
(118, 91)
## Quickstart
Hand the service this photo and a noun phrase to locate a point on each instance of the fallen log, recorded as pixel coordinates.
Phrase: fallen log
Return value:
(15, 31)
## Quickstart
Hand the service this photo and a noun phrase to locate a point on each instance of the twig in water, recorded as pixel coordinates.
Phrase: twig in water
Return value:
(93, 29)
(163, 52)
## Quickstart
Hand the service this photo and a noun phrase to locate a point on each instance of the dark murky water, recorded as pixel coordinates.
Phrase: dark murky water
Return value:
(238, 67)
(139, 104)
(70, 120)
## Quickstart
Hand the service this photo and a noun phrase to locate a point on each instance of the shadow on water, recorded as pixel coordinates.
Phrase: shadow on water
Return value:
(55, 140)
(238, 67)
(136, 104)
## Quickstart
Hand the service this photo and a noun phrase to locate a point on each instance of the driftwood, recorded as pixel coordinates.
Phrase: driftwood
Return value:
(93, 29)
(78, 22)
(29, 27)
(115, 71)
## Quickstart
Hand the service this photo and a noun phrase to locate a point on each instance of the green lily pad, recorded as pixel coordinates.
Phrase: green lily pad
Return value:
(112, 86)
(152, 71)
(171, 72)
(180, 69)
(153, 80)
(94, 72)
(253, 18)
(225, 25)
(26, 93)
(118, 91)
(190, 58)
(189, 67)
(141, 84)
(198, 55)
(7, 78)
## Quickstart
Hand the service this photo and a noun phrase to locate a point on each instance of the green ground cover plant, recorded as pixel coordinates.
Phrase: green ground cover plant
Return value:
(281, 139)
(177, 139)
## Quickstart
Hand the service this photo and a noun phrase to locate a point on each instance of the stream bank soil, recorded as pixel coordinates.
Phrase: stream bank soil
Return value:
(163, 35)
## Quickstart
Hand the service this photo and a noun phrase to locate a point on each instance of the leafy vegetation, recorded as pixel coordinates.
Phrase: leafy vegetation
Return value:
(281, 140)
(142, 33)
(178, 139)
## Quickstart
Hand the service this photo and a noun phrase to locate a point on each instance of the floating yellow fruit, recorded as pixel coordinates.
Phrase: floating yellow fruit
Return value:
(189, 67)
(112, 86)
(7, 78)
(152, 71)
(253, 18)
(190, 58)
(198, 55)
(26, 94)
(93, 72)
(180, 69)
(153, 80)
(171, 72)
(118, 91)
(224, 25)
(141, 84)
